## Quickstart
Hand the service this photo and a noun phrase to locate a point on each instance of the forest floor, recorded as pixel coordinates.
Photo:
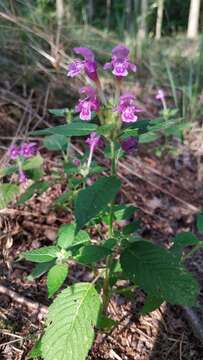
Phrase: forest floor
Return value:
(167, 193)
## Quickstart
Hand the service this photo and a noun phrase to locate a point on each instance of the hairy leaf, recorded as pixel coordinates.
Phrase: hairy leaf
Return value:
(92, 253)
(77, 128)
(66, 235)
(43, 254)
(56, 277)
(95, 198)
(70, 324)
(159, 273)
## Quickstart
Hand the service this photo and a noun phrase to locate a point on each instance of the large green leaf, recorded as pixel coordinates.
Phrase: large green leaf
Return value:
(8, 193)
(95, 198)
(92, 253)
(55, 142)
(159, 273)
(78, 128)
(56, 277)
(43, 254)
(70, 324)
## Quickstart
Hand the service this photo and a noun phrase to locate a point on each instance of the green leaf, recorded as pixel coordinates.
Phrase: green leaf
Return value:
(110, 243)
(131, 228)
(148, 137)
(71, 169)
(8, 171)
(200, 222)
(152, 303)
(90, 254)
(66, 235)
(59, 112)
(43, 254)
(81, 238)
(36, 351)
(182, 240)
(95, 198)
(33, 163)
(123, 212)
(56, 277)
(78, 128)
(55, 142)
(8, 193)
(38, 187)
(105, 323)
(129, 132)
(40, 269)
(69, 331)
(159, 273)
(64, 199)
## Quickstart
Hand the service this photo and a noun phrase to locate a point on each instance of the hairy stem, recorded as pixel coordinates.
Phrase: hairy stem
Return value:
(106, 286)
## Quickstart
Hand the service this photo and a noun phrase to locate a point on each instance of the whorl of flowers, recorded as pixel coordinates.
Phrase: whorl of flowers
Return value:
(93, 98)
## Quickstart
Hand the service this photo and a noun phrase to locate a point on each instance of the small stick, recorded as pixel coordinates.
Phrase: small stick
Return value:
(31, 305)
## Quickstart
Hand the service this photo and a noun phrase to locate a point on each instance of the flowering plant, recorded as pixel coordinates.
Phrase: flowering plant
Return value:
(112, 127)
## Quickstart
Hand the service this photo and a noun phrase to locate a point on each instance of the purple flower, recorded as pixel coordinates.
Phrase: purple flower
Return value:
(160, 95)
(120, 63)
(93, 140)
(28, 149)
(22, 177)
(76, 162)
(129, 144)
(13, 152)
(127, 108)
(88, 104)
(88, 65)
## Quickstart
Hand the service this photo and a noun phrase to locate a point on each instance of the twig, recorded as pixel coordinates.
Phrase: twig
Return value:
(40, 309)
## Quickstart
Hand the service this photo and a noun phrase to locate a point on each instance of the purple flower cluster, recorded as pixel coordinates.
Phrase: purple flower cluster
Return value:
(93, 97)
(25, 150)
(127, 108)
(120, 64)
(88, 104)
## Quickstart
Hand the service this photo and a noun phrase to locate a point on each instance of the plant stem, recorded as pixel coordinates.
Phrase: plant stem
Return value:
(195, 248)
(106, 286)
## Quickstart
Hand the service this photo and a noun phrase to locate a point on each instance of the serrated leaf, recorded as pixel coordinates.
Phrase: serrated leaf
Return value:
(159, 273)
(40, 269)
(66, 235)
(43, 254)
(95, 198)
(70, 324)
(199, 221)
(38, 187)
(56, 277)
(8, 193)
(90, 254)
(78, 128)
(36, 350)
(55, 142)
